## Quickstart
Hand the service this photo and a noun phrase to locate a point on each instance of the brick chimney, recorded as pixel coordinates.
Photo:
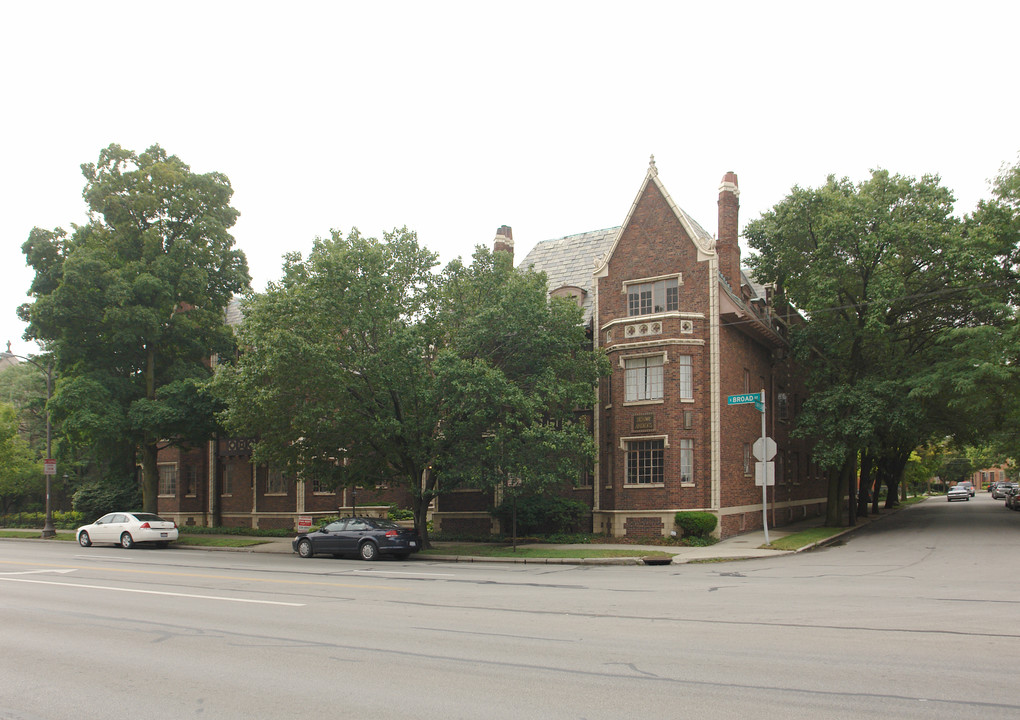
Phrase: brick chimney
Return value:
(726, 245)
(504, 241)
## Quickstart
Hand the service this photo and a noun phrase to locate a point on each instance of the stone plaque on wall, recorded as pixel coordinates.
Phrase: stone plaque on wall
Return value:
(644, 422)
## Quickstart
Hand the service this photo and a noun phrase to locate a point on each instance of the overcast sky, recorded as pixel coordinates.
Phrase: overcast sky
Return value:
(454, 118)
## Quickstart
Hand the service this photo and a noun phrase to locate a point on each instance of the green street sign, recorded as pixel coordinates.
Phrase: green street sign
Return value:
(745, 399)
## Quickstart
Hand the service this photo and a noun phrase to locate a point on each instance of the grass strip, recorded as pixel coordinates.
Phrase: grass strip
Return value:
(804, 538)
(531, 551)
(212, 541)
(35, 534)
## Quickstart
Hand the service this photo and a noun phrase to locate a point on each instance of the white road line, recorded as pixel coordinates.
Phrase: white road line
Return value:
(35, 572)
(397, 572)
(152, 592)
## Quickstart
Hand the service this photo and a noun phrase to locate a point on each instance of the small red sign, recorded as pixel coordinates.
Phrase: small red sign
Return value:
(49, 467)
(304, 522)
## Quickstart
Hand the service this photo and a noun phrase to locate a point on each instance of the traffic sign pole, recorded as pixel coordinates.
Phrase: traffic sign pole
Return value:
(765, 484)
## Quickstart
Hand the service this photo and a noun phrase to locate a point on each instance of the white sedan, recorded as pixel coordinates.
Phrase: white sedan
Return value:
(958, 492)
(128, 529)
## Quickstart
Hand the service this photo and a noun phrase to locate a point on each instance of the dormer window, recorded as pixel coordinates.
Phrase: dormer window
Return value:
(653, 296)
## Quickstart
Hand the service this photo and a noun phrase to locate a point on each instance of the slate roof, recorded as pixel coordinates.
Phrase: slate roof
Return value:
(570, 260)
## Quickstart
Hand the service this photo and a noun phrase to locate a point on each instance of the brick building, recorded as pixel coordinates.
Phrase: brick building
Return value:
(683, 328)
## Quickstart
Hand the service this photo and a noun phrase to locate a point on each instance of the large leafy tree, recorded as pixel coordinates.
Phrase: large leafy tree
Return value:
(132, 305)
(991, 378)
(889, 283)
(517, 377)
(363, 365)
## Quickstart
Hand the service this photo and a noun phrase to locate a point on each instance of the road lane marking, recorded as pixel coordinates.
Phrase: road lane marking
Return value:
(270, 581)
(397, 572)
(35, 572)
(153, 592)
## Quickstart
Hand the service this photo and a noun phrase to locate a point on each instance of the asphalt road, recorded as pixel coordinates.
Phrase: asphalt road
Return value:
(913, 616)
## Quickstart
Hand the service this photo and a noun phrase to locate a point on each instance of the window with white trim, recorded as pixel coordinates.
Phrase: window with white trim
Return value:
(686, 460)
(686, 378)
(645, 461)
(167, 478)
(643, 378)
(653, 297)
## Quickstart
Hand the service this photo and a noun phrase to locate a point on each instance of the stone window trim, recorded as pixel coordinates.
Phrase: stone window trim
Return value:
(629, 319)
(625, 284)
(637, 356)
(638, 438)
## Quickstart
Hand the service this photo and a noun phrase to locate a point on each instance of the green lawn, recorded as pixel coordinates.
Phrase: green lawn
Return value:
(532, 551)
(61, 534)
(214, 541)
(803, 538)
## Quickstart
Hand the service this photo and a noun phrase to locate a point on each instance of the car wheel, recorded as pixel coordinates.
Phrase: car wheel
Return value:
(126, 541)
(368, 551)
(304, 548)
(84, 540)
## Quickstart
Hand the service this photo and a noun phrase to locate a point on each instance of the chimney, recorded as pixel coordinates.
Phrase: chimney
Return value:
(726, 245)
(504, 241)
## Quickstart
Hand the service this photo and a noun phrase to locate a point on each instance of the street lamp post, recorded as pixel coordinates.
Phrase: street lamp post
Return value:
(48, 530)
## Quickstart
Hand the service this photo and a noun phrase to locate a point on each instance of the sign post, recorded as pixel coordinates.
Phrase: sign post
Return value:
(768, 450)
(764, 485)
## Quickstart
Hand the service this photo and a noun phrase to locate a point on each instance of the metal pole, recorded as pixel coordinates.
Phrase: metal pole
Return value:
(765, 474)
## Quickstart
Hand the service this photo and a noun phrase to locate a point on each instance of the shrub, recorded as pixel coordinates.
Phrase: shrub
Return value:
(61, 520)
(542, 514)
(95, 500)
(697, 524)
(395, 513)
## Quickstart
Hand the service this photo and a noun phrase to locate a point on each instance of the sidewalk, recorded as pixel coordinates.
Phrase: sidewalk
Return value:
(740, 547)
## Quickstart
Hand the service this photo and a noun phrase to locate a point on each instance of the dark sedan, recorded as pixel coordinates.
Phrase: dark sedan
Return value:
(367, 538)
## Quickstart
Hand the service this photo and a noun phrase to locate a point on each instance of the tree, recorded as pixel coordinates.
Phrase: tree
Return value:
(132, 305)
(20, 473)
(363, 366)
(889, 283)
(516, 374)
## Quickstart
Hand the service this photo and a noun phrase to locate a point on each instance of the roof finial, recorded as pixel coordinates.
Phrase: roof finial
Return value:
(652, 170)
(9, 348)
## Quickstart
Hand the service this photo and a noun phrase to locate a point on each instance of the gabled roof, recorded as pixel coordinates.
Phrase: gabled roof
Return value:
(703, 240)
(571, 260)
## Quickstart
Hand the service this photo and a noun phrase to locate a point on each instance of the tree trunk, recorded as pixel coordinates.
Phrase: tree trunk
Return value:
(839, 481)
(150, 450)
(867, 470)
(420, 506)
(881, 475)
(150, 476)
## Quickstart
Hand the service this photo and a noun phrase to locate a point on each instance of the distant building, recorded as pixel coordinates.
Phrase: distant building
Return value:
(8, 359)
